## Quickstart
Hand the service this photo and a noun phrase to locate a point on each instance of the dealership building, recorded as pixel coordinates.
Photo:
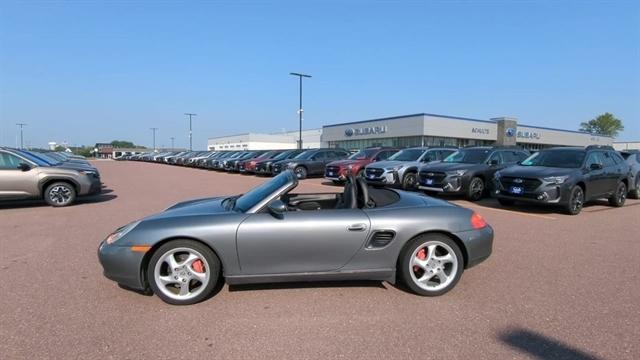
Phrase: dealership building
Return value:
(440, 130)
(260, 141)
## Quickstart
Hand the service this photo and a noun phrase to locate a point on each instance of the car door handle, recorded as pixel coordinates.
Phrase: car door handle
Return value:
(357, 227)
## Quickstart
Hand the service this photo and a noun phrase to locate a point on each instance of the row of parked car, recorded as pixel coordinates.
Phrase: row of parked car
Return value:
(56, 177)
(563, 176)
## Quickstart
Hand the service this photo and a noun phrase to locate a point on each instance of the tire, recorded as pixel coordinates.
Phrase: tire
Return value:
(506, 202)
(337, 182)
(576, 201)
(476, 189)
(635, 193)
(410, 181)
(619, 196)
(301, 172)
(422, 273)
(60, 194)
(199, 284)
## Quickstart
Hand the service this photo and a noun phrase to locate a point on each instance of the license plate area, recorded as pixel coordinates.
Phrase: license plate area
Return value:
(516, 190)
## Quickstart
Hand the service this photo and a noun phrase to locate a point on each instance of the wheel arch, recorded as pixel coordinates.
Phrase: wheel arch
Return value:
(457, 240)
(144, 264)
(50, 180)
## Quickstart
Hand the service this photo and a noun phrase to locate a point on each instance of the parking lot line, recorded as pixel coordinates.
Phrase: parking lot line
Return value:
(610, 208)
(472, 205)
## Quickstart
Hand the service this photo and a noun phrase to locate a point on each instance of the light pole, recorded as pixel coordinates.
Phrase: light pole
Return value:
(21, 137)
(154, 129)
(172, 138)
(190, 133)
(300, 110)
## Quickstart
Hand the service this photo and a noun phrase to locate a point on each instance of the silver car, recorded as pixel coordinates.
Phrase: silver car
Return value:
(271, 234)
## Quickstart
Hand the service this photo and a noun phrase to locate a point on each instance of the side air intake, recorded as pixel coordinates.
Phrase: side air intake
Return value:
(380, 239)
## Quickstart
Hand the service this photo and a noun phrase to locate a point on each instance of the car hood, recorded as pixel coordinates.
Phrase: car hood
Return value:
(392, 163)
(442, 166)
(347, 162)
(204, 206)
(536, 171)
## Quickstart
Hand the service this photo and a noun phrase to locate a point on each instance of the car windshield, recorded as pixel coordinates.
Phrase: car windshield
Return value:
(283, 155)
(257, 194)
(304, 155)
(556, 158)
(362, 155)
(43, 159)
(475, 156)
(407, 155)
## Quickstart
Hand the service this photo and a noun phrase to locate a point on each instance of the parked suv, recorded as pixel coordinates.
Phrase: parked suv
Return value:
(310, 162)
(264, 167)
(337, 171)
(24, 176)
(567, 177)
(469, 170)
(632, 157)
(401, 168)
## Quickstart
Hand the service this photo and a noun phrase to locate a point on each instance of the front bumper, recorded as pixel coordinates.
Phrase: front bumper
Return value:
(478, 243)
(122, 265)
(384, 177)
(545, 193)
(441, 182)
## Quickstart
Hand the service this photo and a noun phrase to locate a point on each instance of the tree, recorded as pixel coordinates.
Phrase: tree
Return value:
(123, 144)
(605, 124)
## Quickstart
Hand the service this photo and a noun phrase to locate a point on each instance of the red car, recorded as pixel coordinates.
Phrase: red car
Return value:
(249, 165)
(337, 171)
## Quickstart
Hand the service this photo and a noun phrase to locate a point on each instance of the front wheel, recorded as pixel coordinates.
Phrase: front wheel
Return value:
(431, 264)
(60, 194)
(576, 201)
(410, 181)
(476, 189)
(183, 272)
(301, 172)
(620, 196)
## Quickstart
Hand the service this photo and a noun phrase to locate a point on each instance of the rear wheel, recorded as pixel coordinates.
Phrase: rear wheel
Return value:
(505, 202)
(576, 201)
(301, 172)
(619, 196)
(476, 189)
(431, 264)
(183, 272)
(60, 194)
(410, 181)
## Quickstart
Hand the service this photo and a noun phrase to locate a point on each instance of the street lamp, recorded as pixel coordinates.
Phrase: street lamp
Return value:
(172, 138)
(190, 133)
(21, 137)
(300, 110)
(154, 129)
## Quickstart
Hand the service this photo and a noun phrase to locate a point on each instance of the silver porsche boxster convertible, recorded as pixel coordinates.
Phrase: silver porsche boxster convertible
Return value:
(271, 234)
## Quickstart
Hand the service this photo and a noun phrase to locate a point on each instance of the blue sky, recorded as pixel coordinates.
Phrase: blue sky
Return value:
(91, 71)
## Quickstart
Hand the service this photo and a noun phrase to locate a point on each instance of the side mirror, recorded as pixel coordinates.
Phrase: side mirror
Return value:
(595, 166)
(493, 162)
(24, 167)
(277, 209)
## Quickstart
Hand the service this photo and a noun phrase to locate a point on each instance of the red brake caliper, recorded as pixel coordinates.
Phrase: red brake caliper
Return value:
(198, 266)
(422, 254)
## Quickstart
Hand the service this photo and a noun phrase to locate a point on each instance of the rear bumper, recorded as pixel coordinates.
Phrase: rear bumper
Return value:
(478, 243)
(122, 265)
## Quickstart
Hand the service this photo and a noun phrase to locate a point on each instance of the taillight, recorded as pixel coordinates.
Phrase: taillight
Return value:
(477, 221)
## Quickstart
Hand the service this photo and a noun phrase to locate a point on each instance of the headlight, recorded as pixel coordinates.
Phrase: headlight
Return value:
(394, 168)
(89, 173)
(116, 235)
(350, 167)
(456, 173)
(556, 179)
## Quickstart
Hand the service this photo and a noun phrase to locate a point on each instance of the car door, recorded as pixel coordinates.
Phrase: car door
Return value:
(302, 241)
(16, 183)
(595, 176)
(612, 172)
(316, 164)
(494, 163)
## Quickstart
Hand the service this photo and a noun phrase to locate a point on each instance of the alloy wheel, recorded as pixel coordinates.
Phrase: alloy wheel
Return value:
(577, 200)
(477, 188)
(60, 194)
(433, 265)
(182, 273)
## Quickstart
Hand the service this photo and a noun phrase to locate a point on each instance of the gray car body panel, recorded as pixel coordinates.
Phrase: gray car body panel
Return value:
(258, 247)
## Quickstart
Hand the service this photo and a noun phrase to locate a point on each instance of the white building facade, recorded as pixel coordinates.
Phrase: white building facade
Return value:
(259, 141)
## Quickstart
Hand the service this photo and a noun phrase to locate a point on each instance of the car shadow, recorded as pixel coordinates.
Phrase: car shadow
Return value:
(308, 285)
(98, 198)
(543, 347)
(331, 183)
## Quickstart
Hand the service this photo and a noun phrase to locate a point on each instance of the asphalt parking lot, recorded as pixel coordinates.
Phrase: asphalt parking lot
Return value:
(556, 287)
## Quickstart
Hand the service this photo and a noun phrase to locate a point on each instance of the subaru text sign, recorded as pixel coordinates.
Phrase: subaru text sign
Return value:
(369, 130)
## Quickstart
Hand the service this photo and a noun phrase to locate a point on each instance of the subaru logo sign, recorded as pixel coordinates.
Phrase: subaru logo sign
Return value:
(349, 132)
(510, 132)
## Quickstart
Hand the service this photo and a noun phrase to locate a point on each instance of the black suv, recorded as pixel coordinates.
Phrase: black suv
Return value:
(632, 158)
(310, 162)
(469, 170)
(566, 176)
